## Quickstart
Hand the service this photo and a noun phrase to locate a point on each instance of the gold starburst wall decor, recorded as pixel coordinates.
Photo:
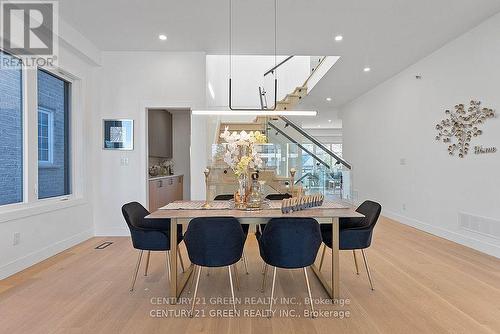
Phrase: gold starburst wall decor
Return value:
(461, 125)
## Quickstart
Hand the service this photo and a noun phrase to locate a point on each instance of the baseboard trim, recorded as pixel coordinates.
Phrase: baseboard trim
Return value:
(113, 232)
(465, 240)
(37, 256)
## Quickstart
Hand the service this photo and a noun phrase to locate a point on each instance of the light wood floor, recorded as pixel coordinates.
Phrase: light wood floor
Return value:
(423, 284)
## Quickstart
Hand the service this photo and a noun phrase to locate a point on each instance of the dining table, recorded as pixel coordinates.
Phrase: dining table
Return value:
(181, 212)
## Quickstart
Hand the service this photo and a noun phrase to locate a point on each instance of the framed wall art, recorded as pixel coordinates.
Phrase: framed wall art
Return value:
(118, 134)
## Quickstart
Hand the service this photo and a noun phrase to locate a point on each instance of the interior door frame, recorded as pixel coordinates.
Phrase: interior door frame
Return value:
(145, 120)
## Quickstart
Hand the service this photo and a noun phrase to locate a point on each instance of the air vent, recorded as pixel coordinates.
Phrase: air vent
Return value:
(482, 225)
(104, 245)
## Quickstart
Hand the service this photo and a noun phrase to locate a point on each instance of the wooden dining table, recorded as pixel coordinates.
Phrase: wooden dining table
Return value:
(323, 215)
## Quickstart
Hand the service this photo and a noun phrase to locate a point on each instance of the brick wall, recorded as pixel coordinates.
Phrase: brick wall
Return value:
(11, 140)
(51, 178)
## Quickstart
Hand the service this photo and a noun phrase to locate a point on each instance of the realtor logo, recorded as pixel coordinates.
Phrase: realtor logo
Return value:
(29, 30)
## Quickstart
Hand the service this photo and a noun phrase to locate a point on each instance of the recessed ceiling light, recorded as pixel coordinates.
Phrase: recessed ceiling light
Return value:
(367, 69)
(162, 37)
(319, 126)
(328, 99)
(338, 38)
(329, 121)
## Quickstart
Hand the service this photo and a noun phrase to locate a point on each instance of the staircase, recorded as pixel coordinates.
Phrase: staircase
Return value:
(319, 67)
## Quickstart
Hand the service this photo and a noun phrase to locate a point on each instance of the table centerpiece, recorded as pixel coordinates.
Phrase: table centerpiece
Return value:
(242, 157)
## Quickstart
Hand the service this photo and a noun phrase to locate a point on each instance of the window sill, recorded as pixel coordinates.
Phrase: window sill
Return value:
(47, 165)
(24, 210)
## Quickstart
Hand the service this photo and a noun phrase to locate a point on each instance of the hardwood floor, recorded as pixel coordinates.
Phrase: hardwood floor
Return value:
(423, 284)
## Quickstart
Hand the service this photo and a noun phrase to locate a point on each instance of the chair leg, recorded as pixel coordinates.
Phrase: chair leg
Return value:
(237, 278)
(192, 278)
(167, 256)
(180, 260)
(134, 277)
(245, 262)
(367, 269)
(322, 257)
(309, 291)
(263, 286)
(263, 268)
(195, 292)
(232, 288)
(272, 294)
(355, 261)
(148, 255)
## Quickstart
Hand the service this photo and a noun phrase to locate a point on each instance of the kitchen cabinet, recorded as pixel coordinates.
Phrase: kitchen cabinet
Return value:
(160, 134)
(164, 190)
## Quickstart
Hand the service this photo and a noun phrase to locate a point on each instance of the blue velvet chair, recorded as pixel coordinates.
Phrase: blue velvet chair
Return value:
(149, 235)
(214, 242)
(245, 227)
(354, 234)
(289, 243)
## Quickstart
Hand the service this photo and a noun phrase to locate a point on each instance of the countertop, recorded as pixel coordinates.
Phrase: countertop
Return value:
(152, 178)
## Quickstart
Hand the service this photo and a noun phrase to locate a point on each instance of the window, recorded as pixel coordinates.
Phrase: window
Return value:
(45, 135)
(337, 149)
(53, 135)
(11, 131)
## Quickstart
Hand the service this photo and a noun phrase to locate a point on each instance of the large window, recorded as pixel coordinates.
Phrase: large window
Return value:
(53, 136)
(11, 131)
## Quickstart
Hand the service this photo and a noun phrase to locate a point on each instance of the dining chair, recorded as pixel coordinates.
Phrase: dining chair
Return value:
(245, 227)
(214, 242)
(149, 235)
(354, 234)
(289, 243)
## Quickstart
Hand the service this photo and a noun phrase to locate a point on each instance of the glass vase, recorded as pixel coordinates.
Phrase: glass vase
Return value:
(241, 198)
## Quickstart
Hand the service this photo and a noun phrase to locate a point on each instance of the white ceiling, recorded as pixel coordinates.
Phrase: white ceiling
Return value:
(386, 35)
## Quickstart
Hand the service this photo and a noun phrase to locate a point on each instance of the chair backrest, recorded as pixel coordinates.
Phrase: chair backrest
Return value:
(278, 197)
(371, 210)
(214, 241)
(134, 213)
(146, 237)
(290, 242)
(223, 197)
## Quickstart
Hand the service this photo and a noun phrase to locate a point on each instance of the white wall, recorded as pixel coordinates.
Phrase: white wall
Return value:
(131, 82)
(50, 226)
(181, 143)
(396, 121)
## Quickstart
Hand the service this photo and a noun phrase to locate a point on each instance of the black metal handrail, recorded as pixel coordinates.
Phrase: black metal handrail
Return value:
(299, 145)
(316, 142)
(276, 66)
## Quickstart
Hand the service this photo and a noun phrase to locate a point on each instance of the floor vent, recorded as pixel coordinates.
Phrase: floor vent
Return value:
(104, 245)
(482, 225)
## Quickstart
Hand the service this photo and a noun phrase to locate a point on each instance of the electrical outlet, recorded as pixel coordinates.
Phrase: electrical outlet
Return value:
(17, 238)
(402, 162)
(124, 162)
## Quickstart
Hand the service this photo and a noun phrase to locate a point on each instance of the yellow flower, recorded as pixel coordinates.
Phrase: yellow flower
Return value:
(242, 165)
(259, 137)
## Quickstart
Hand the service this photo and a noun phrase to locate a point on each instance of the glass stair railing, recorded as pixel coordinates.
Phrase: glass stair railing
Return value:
(318, 169)
(289, 147)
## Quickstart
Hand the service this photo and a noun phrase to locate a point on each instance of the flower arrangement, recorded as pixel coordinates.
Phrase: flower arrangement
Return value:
(241, 154)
